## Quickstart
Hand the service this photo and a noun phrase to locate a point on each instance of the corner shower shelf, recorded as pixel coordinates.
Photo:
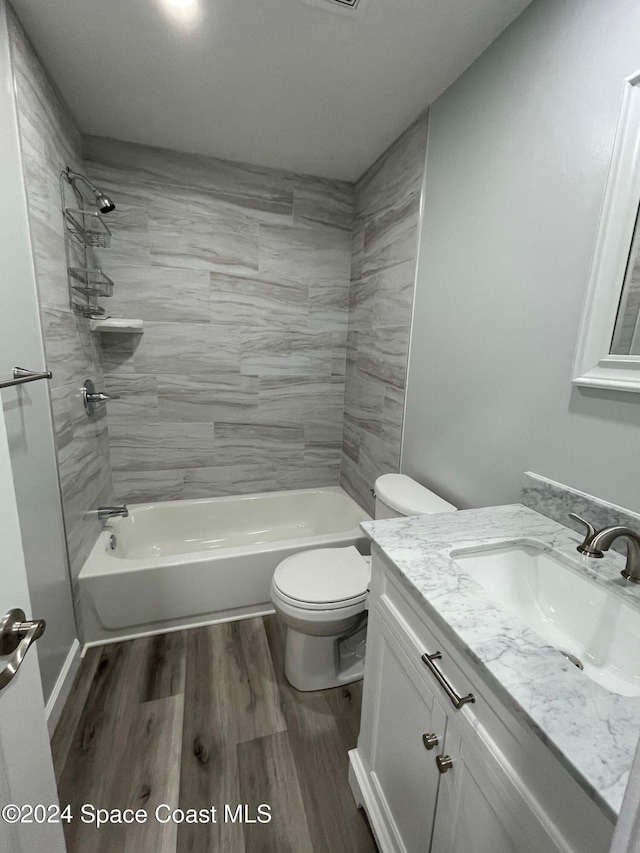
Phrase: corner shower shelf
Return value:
(90, 282)
(118, 325)
(87, 227)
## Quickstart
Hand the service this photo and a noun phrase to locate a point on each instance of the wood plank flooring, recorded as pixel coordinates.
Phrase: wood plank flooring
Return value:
(203, 718)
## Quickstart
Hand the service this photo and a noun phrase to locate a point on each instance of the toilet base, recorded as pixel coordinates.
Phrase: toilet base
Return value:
(319, 663)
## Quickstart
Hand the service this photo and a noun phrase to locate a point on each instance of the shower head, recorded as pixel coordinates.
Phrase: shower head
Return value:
(103, 202)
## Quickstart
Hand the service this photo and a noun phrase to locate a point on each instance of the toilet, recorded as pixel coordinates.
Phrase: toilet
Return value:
(321, 595)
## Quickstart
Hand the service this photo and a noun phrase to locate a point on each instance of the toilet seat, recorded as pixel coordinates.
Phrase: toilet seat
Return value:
(323, 579)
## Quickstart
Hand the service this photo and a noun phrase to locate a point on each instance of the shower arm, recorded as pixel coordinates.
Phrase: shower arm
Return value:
(72, 177)
(103, 202)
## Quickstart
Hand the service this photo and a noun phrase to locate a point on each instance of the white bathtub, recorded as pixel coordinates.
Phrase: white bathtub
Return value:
(179, 564)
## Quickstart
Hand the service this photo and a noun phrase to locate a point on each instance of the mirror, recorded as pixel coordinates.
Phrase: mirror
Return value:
(608, 354)
(626, 332)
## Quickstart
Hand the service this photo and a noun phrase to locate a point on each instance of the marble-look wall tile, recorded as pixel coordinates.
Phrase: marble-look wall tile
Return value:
(304, 251)
(50, 263)
(136, 393)
(286, 354)
(328, 305)
(188, 348)
(230, 480)
(258, 444)
(365, 401)
(314, 471)
(49, 142)
(160, 293)
(391, 237)
(247, 186)
(300, 399)
(383, 268)
(556, 501)
(361, 304)
(252, 303)
(397, 174)
(130, 244)
(160, 446)
(391, 294)
(227, 242)
(118, 352)
(221, 397)
(148, 486)
(323, 201)
(383, 353)
(242, 278)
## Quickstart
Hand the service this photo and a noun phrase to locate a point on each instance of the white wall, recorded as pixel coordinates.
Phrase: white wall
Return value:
(27, 410)
(517, 161)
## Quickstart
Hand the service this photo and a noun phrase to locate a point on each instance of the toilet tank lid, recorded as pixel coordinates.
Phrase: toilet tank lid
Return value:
(403, 494)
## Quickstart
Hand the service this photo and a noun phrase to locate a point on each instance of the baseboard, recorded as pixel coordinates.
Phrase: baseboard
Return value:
(365, 798)
(62, 687)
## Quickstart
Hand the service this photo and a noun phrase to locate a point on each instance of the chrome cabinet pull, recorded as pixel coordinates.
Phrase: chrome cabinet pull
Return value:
(17, 635)
(444, 763)
(458, 701)
(22, 376)
(430, 740)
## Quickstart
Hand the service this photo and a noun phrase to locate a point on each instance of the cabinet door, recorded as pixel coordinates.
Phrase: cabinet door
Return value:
(403, 771)
(481, 808)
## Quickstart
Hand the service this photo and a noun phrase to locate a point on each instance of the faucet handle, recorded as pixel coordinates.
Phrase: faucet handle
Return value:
(585, 548)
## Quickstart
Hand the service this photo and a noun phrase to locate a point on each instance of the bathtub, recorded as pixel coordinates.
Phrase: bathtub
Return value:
(179, 564)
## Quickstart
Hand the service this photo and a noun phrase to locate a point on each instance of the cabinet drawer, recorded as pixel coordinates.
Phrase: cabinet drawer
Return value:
(430, 656)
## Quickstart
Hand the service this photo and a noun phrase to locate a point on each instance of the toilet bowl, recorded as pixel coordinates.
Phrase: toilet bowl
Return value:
(321, 595)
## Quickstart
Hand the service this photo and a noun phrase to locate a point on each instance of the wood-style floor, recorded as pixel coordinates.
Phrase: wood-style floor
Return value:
(205, 718)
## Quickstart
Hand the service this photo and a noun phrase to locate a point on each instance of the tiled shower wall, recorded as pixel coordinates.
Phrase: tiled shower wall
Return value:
(385, 236)
(241, 276)
(50, 141)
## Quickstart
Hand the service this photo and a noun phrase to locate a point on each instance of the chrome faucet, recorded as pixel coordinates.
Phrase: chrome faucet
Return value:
(112, 512)
(603, 540)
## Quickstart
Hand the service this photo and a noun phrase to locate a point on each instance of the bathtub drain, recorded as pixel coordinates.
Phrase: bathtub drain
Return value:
(572, 659)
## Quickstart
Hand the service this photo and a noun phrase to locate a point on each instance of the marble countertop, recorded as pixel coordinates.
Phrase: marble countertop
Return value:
(592, 730)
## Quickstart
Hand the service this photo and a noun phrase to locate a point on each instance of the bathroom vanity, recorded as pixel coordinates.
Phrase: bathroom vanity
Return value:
(477, 733)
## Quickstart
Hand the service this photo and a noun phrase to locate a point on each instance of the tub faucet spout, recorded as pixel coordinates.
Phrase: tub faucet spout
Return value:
(112, 512)
(603, 540)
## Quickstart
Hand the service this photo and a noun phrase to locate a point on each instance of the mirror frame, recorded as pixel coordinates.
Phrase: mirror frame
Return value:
(594, 365)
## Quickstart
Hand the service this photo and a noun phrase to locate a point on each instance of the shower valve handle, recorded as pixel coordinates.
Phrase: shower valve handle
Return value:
(92, 398)
(99, 397)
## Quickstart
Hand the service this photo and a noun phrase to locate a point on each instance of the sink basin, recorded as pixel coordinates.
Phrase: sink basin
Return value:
(594, 628)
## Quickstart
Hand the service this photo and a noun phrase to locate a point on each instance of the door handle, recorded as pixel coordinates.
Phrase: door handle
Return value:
(16, 636)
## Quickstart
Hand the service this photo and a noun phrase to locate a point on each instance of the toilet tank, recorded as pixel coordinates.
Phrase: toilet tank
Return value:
(398, 495)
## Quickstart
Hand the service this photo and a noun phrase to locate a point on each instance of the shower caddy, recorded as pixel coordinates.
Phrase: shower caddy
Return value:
(84, 230)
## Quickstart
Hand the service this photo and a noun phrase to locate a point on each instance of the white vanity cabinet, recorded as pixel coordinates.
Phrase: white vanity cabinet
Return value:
(498, 788)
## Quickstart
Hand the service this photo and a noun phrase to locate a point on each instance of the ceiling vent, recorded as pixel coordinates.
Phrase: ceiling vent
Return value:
(352, 8)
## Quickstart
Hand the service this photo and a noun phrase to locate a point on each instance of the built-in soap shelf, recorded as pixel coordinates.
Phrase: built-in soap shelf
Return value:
(118, 325)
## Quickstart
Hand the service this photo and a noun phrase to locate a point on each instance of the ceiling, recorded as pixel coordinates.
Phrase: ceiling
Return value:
(280, 83)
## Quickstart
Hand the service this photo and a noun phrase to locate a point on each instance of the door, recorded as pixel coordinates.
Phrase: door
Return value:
(26, 409)
(26, 768)
(480, 809)
(410, 730)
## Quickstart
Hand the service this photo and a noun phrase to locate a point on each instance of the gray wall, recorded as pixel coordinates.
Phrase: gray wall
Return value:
(241, 275)
(519, 149)
(50, 141)
(383, 268)
(27, 409)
